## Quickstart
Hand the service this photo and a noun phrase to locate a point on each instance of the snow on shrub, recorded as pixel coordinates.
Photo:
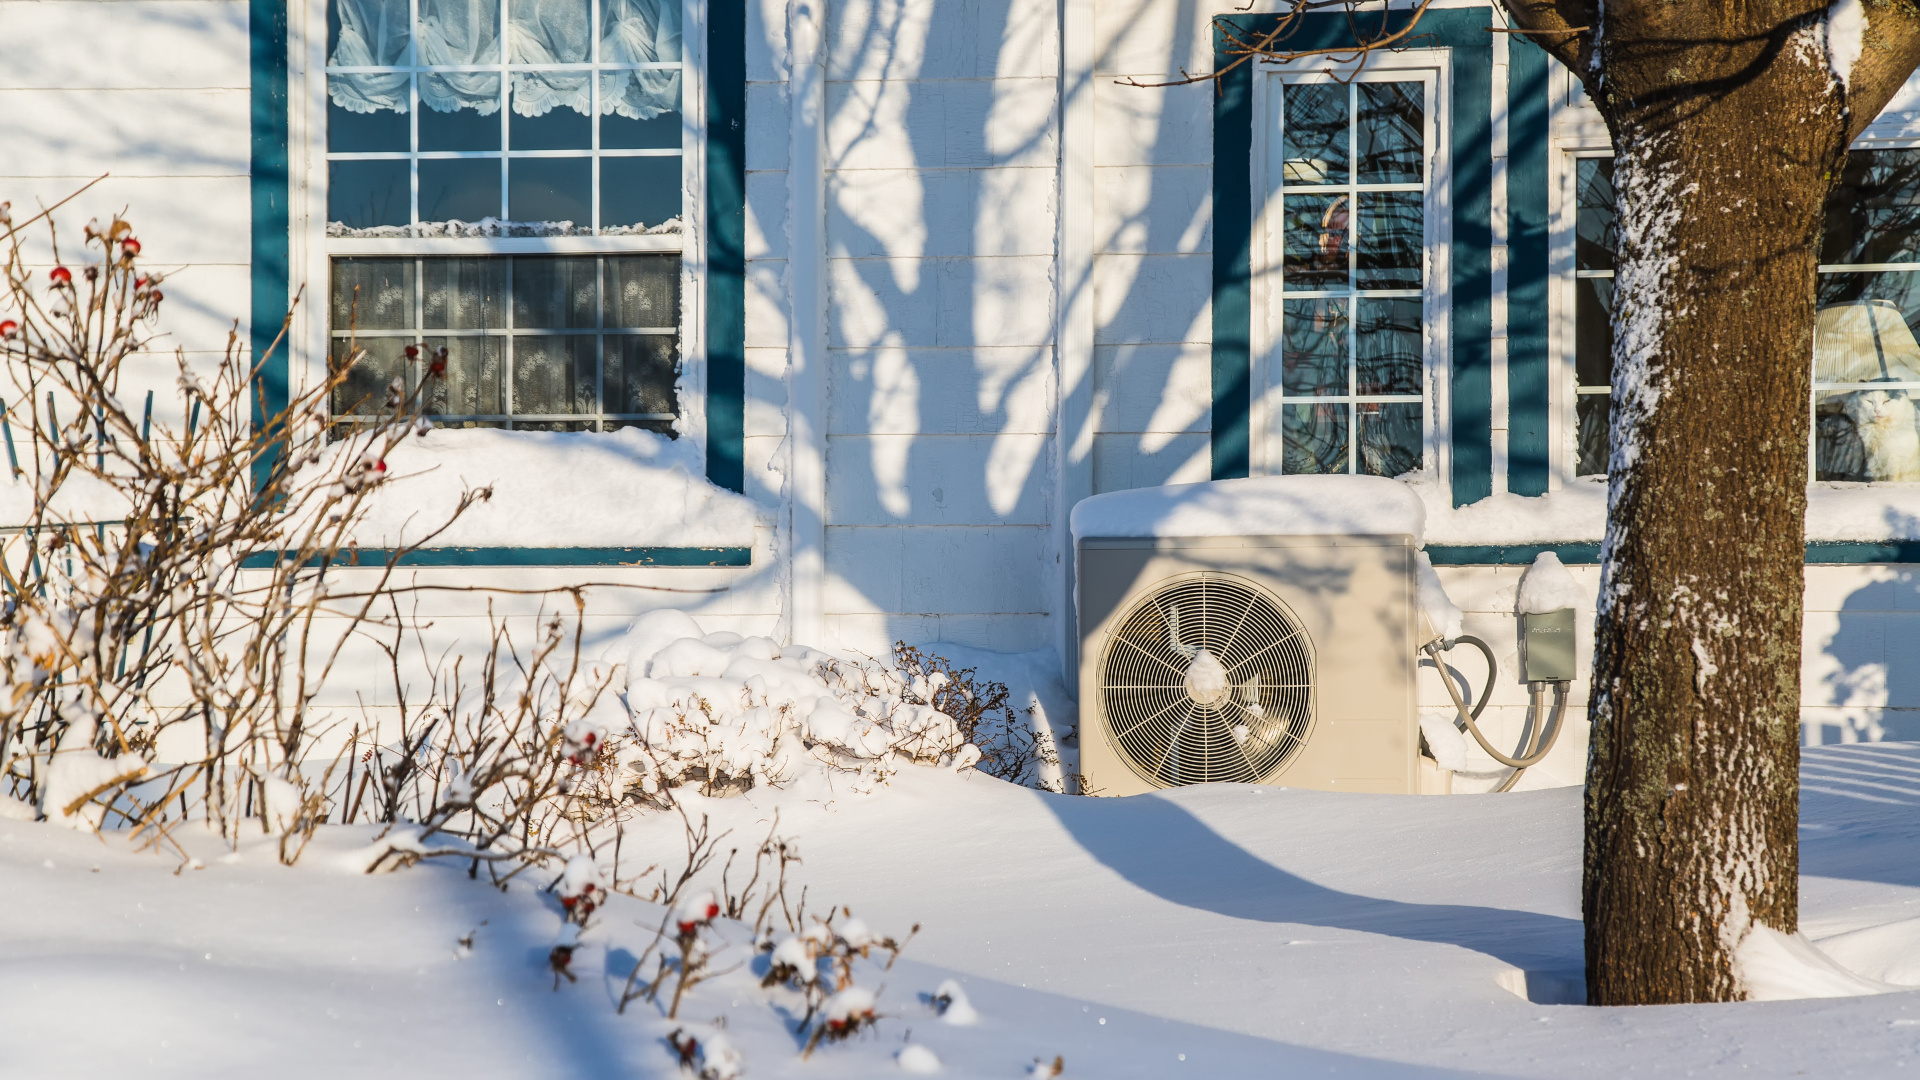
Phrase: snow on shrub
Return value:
(721, 713)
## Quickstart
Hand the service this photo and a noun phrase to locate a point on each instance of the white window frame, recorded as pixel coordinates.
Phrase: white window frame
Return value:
(310, 249)
(1267, 249)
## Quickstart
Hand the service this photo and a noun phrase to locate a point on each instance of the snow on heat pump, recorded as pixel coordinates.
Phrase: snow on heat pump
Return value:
(1249, 631)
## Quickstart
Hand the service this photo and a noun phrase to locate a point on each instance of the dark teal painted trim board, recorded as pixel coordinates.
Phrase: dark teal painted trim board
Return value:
(727, 243)
(1470, 364)
(1232, 363)
(270, 269)
(1819, 553)
(520, 556)
(1529, 373)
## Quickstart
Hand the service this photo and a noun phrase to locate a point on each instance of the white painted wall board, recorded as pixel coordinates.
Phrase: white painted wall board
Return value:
(766, 392)
(874, 635)
(1158, 126)
(767, 304)
(1152, 38)
(179, 219)
(937, 480)
(878, 213)
(940, 391)
(1158, 387)
(766, 215)
(957, 39)
(964, 123)
(1152, 298)
(766, 41)
(768, 114)
(1153, 209)
(940, 302)
(86, 132)
(936, 571)
(1134, 460)
(144, 44)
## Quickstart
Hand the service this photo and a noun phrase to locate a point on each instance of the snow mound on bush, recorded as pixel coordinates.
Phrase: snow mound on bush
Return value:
(727, 713)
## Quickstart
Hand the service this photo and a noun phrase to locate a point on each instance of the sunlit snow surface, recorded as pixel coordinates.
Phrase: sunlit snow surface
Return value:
(1257, 932)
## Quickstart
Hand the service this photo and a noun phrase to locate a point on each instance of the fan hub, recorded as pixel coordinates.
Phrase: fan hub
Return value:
(1206, 681)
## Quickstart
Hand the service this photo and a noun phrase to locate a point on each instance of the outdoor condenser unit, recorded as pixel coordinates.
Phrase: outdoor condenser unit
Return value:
(1283, 660)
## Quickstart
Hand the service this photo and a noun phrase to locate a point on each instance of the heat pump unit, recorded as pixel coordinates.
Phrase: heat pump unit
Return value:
(1284, 660)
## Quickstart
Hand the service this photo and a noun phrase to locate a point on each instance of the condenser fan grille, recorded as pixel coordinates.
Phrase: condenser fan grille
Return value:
(1207, 678)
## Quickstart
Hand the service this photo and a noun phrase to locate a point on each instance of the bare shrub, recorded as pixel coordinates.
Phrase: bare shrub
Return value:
(182, 577)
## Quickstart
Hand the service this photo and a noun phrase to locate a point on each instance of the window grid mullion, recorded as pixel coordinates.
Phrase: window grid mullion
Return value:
(1353, 277)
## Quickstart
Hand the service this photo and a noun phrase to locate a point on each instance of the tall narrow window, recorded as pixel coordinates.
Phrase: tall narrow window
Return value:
(1354, 181)
(1594, 243)
(505, 180)
(1866, 364)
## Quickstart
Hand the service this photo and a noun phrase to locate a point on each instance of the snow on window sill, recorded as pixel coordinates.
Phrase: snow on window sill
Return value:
(1577, 513)
(493, 228)
(627, 488)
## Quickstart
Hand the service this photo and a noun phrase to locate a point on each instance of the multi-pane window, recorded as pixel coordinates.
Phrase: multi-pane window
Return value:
(505, 182)
(1596, 238)
(555, 343)
(1866, 364)
(1866, 361)
(440, 124)
(1354, 182)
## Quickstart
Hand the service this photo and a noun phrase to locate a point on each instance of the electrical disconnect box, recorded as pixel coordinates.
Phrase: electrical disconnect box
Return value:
(1547, 646)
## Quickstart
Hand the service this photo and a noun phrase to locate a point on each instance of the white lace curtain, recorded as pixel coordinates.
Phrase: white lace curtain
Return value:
(373, 33)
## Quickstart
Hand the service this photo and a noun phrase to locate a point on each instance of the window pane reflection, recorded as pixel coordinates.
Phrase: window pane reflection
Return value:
(1314, 134)
(1873, 215)
(1313, 355)
(1315, 435)
(1596, 233)
(1591, 412)
(1390, 240)
(1316, 243)
(1391, 130)
(1389, 437)
(1387, 346)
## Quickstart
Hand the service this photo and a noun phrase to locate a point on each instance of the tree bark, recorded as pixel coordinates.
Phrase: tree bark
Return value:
(1730, 123)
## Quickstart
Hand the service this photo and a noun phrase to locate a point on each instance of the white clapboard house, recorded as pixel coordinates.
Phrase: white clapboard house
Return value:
(914, 277)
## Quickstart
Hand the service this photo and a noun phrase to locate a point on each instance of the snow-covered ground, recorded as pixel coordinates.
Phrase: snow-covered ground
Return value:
(1226, 931)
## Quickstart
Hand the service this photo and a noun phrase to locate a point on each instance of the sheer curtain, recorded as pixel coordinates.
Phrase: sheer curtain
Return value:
(373, 33)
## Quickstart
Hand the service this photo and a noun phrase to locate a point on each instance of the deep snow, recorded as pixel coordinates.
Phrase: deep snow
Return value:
(1257, 932)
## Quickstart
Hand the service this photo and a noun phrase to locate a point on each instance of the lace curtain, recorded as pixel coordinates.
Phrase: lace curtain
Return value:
(373, 33)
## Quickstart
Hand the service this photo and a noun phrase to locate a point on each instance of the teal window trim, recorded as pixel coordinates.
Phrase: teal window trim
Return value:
(1470, 363)
(271, 280)
(270, 219)
(1529, 367)
(727, 243)
(1819, 553)
(526, 556)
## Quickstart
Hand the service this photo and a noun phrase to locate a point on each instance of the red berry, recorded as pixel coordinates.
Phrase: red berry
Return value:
(156, 296)
(380, 466)
(61, 276)
(130, 246)
(9, 328)
(413, 352)
(140, 282)
(438, 367)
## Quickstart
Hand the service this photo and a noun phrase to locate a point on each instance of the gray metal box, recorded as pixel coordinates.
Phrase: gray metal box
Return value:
(1548, 646)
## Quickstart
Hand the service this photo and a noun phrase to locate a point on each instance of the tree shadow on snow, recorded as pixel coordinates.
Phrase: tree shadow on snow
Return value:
(1165, 850)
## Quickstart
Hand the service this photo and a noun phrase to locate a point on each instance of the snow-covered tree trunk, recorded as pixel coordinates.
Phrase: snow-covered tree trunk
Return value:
(1730, 124)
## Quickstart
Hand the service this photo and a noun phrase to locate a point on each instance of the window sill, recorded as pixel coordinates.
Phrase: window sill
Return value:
(1846, 523)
